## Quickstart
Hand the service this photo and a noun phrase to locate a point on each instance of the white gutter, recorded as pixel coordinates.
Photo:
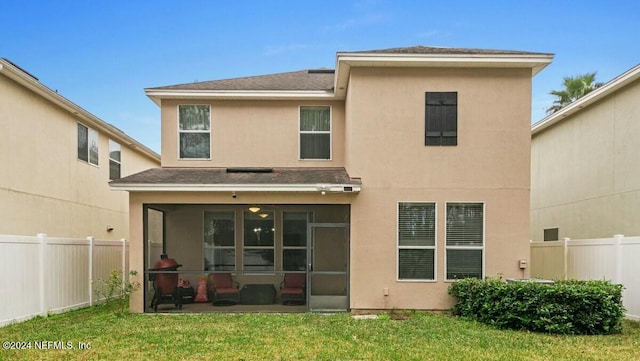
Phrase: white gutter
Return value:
(320, 187)
(157, 94)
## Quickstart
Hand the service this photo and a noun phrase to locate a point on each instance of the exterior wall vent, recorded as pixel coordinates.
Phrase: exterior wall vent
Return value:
(249, 170)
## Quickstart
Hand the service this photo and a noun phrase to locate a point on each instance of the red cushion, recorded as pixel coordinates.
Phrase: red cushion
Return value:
(291, 291)
(222, 280)
(226, 290)
(294, 280)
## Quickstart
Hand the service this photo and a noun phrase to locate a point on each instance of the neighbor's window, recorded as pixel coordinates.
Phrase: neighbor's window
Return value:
(464, 240)
(416, 241)
(258, 253)
(194, 128)
(441, 118)
(551, 234)
(294, 242)
(87, 144)
(315, 132)
(219, 241)
(114, 160)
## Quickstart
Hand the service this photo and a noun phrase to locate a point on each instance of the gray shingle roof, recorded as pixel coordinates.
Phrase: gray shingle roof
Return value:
(230, 176)
(311, 79)
(320, 79)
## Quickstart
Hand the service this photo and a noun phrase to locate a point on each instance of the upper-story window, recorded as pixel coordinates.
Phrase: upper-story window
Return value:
(114, 160)
(315, 132)
(87, 144)
(194, 128)
(441, 118)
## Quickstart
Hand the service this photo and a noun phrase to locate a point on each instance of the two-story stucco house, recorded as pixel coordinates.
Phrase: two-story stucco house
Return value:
(57, 160)
(382, 181)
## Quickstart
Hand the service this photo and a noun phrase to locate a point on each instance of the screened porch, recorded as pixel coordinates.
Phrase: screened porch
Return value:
(255, 246)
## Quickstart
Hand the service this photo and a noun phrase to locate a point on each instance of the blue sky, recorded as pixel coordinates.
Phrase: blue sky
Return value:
(102, 54)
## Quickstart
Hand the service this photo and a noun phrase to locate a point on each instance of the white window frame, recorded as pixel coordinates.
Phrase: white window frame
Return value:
(330, 132)
(206, 247)
(115, 146)
(480, 248)
(434, 247)
(92, 137)
(180, 131)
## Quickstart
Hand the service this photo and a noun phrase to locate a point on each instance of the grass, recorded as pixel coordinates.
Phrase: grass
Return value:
(261, 336)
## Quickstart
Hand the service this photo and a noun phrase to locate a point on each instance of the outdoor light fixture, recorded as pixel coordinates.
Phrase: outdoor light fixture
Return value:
(263, 215)
(254, 209)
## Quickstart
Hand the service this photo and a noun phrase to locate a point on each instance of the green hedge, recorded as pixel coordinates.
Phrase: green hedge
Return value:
(568, 307)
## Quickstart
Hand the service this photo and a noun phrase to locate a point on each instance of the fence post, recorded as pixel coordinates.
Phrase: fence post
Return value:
(566, 258)
(90, 239)
(617, 242)
(42, 285)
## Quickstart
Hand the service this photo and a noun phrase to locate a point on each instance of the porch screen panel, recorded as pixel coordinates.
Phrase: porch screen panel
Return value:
(258, 254)
(416, 241)
(219, 241)
(294, 241)
(464, 240)
(315, 132)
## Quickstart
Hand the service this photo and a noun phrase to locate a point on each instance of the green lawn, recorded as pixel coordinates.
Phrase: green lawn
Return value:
(420, 336)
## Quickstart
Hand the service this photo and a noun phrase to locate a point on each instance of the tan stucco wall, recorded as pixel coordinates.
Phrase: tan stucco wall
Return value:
(586, 171)
(382, 135)
(44, 188)
(251, 133)
(385, 132)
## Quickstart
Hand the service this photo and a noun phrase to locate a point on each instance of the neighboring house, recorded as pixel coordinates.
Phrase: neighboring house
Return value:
(585, 165)
(57, 160)
(383, 181)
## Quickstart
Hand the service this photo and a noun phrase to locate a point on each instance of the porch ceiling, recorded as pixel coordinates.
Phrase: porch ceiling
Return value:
(244, 179)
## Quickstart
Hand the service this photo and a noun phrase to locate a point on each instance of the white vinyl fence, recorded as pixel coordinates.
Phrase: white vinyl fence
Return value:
(614, 259)
(43, 275)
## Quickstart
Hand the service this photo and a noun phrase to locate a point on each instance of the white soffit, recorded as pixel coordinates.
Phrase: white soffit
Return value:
(157, 94)
(328, 188)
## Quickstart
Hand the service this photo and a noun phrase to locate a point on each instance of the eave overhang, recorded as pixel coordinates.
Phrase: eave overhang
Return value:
(296, 188)
(345, 61)
(605, 90)
(157, 95)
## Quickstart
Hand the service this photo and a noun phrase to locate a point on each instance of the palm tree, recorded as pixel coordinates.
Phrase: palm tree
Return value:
(574, 88)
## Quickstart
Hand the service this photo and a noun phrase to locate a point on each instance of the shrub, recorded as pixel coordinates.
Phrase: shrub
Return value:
(568, 307)
(116, 291)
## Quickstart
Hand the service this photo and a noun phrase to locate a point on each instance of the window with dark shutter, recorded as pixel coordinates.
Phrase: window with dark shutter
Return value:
(441, 118)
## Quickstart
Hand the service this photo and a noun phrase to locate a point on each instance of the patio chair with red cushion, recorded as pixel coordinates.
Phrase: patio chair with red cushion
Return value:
(224, 289)
(292, 289)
